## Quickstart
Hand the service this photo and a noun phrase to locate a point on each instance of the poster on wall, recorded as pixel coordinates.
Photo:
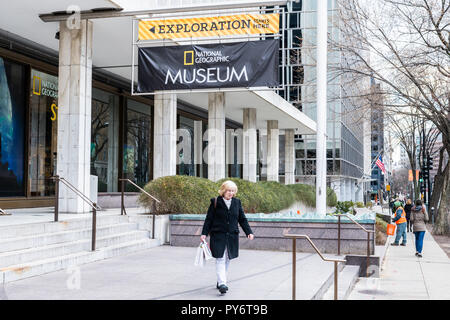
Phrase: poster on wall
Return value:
(226, 65)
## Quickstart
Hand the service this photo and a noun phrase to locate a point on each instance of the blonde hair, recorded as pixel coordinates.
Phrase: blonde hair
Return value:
(408, 201)
(227, 185)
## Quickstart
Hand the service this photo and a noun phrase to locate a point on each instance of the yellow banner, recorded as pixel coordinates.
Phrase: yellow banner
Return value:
(209, 26)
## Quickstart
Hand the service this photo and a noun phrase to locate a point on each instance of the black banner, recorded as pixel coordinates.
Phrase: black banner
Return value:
(243, 64)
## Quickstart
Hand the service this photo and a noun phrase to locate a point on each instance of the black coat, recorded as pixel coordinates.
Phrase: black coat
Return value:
(407, 208)
(221, 224)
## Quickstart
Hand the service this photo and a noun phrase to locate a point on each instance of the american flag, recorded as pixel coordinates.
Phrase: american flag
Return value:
(380, 164)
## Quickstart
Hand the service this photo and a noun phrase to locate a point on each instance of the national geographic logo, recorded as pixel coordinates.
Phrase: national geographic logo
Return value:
(44, 87)
(189, 58)
(204, 57)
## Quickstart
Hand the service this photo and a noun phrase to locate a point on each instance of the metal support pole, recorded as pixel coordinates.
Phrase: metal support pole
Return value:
(294, 249)
(153, 227)
(339, 235)
(335, 280)
(56, 198)
(122, 203)
(94, 225)
(368, 254)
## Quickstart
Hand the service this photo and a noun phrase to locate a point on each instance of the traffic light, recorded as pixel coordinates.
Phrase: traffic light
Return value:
(422, 188)
(430, 163)
(426, 174)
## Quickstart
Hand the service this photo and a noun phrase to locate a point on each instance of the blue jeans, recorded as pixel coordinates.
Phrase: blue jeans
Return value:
(419, 240)
(401, 233)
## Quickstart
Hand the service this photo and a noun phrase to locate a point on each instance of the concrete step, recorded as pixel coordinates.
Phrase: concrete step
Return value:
(29, 229)
(42, 266)
(346, 281)
(33, 241)
(66, 248)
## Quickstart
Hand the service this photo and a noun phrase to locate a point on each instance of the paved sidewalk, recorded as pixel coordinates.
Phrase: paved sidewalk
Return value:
(407, 277)
(168, 273)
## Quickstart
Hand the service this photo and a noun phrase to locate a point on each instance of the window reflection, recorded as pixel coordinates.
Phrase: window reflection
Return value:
(104, 139)
(137, 148)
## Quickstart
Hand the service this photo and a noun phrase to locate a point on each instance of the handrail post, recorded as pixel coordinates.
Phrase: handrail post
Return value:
(294, 259)
(368, 254)
(335, 280)
(94, 225)
(56, 197)
(153, 226)
(122, 203)
(339, 235)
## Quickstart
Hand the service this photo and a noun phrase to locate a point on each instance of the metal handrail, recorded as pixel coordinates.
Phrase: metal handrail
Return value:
(294, 249)
(368, 237)
(92, 204)
(122, 207)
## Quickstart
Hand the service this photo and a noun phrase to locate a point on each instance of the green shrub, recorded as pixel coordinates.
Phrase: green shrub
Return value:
(179, 194)
(359, 205)
(345, 207)
(187, 194)
(380, 231)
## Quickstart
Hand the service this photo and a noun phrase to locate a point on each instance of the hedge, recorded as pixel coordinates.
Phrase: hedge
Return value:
(187, 194)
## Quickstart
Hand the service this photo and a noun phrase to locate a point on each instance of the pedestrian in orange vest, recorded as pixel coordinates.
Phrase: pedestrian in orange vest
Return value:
(400, 220)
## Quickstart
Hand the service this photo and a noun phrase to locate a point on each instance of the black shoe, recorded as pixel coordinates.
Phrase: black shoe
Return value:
(419, 255)
(394, 244)
(223, 289)
(403, 244)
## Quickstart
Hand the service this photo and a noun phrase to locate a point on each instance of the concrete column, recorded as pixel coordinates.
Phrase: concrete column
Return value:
(216, 136)
(321, 162)
(74, 114)
(165, 138)
(289, 156)
(273, 154)
(249, 145)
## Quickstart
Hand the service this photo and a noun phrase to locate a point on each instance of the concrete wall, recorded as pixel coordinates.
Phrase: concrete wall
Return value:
(269, 236)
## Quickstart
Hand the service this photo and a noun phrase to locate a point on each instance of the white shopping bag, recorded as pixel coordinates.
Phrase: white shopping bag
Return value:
(199, 257)
(206, 250)
(203, 254)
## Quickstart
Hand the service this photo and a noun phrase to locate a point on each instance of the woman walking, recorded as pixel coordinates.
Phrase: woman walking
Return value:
(418, 218)
(221, 223)
(407, 208)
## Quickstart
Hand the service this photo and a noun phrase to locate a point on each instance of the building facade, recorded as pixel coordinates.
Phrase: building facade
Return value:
(66, 109)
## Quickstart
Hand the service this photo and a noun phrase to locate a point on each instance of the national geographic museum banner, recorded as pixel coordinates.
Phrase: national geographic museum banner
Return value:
(242, 64)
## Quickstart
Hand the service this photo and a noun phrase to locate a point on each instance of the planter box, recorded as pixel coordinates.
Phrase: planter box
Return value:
(185, 231)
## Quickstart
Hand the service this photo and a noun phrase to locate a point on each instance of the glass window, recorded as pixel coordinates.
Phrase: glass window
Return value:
(137, 156)
(185, 147)
(43, 133)
(105, 139)
(12, 128)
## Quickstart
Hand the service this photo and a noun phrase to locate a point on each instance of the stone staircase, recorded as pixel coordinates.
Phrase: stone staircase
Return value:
(33, 249)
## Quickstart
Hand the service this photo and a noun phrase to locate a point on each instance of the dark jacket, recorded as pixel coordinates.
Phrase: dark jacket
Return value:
(408, 210)
(221, 224)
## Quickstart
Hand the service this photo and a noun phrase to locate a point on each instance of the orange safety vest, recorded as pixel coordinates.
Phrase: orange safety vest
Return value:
(403, 217)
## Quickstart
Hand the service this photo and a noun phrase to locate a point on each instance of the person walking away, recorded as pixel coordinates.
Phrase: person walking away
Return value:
(221, 224)
(419, 216)
(407, 208)
(400, 220)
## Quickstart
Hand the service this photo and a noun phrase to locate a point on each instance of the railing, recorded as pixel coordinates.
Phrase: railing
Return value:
(368, 237)
(294, 250)
(92, 204)
(4, 213)
(122, 207)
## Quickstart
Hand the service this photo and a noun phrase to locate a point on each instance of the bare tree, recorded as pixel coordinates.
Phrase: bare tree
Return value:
(405, 46)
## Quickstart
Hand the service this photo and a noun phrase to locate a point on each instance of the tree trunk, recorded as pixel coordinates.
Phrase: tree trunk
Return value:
(442, 221)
